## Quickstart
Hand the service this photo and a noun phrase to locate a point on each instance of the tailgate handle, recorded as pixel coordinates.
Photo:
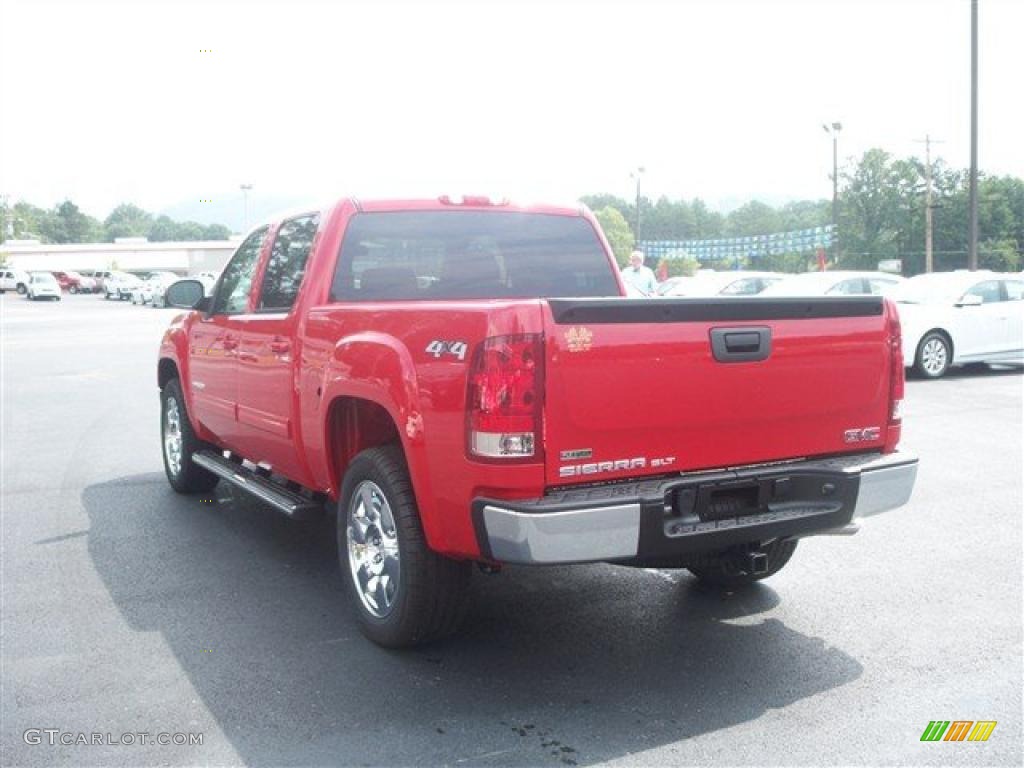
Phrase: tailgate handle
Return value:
(741, 345)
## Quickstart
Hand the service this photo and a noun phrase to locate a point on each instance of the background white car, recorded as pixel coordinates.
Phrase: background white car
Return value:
(709, 283)
(120, 285)
(836, 283)
(955, 318)
(208, 279)
(42, 285)
(13, 280)
(143, 294)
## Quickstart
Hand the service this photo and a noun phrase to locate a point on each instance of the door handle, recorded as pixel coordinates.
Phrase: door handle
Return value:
(741, 345)
(280, 346)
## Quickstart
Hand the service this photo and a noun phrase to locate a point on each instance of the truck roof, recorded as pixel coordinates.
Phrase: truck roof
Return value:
(439, 203)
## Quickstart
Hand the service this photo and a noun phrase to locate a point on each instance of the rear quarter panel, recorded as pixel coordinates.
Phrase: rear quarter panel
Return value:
(379, 352)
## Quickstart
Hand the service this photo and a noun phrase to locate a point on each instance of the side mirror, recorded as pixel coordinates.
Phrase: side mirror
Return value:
(970, 300)
(185, 294)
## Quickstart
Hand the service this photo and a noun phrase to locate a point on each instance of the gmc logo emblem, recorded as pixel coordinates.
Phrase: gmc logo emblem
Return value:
(865, 435)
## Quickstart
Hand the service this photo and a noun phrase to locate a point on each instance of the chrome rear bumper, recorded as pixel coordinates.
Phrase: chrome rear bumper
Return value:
(628, 520)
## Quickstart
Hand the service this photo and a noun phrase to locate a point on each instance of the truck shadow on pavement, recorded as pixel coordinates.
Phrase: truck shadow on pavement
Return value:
(554, 666)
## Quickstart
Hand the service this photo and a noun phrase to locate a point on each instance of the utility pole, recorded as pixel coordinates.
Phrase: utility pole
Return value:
(972, 243)
(246, 188)
(834, 130)
(636, 175)
(929, 264)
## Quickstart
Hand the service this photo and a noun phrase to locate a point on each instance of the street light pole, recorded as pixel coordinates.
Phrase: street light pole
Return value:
(246, 188)
(636, 175)
(972, 246)
(834, 130)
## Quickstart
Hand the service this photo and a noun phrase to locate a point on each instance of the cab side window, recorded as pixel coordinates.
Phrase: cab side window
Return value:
(235, 283)
(1014, 290)
(287, 263)
(988, 291)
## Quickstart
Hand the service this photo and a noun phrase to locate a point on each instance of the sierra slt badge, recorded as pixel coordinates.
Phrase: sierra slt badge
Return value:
(865, 435)
(618, 465)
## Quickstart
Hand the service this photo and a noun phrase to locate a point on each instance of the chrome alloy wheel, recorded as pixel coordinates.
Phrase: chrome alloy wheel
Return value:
(934, 356)
(172, 436)
(373, 556)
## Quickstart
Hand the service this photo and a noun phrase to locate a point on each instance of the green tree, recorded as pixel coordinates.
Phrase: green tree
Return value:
(164, 229)
(67, 224)
(877, 207)
(754, 218)
(190, 230)
(127, 220)
(617, 232)
(216, 232)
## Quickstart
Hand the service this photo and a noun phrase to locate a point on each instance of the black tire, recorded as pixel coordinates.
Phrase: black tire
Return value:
(73, 289)
(934, 355)
(432, 594)
(189, 477)
(21, 289)
(724, 573)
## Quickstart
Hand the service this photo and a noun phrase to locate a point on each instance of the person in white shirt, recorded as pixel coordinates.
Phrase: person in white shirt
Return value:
(638, 276)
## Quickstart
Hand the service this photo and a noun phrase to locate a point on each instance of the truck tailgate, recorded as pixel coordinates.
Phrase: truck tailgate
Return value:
(649, 386)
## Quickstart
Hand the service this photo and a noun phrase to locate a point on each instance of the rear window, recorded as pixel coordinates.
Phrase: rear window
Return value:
(432, 255)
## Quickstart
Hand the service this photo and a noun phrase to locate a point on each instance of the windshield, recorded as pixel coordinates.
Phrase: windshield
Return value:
(43, 277)
(434, 255)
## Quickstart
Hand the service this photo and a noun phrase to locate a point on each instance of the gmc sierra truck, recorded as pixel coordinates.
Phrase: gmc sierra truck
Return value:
(466, 382)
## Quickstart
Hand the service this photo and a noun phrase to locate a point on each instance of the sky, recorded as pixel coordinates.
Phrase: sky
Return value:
(168, 103)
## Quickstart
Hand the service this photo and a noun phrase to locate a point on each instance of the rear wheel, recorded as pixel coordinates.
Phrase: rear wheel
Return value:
(73, 289)
(21, 289)
(934, 355)
(726, 571)
(405, 593)
(179, 443)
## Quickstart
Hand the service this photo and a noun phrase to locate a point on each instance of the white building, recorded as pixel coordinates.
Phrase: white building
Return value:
(127, 254)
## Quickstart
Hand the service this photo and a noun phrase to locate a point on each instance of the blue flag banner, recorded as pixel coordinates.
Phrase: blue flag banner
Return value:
(773, 244)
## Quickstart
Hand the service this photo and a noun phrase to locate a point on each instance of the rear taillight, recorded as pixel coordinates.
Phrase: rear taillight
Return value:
(506, 383)
(897, 375)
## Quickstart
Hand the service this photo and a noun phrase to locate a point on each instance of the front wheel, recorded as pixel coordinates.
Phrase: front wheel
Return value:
(179, 443)
(404, 592)
(21, 289)
(724, 572)
(73, 289)
(933, 356)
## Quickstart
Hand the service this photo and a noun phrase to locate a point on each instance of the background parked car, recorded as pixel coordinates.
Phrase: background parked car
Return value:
(100, 276)
(709, 283)
(955, 318)
(208, 279)
(42, 285)
(836, 283)
(13, 280)
(120, 286)
(143, 294)
(73, 282)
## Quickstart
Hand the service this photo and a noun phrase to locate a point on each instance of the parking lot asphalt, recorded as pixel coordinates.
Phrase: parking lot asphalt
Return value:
(128, 608)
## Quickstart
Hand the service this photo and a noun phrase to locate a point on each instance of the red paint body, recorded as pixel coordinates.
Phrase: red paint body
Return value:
(271, 383)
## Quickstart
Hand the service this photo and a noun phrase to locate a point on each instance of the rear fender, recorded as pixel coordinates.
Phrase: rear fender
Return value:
(378, 368)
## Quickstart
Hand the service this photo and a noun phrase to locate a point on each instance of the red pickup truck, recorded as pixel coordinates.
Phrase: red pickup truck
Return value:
(465, 381)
